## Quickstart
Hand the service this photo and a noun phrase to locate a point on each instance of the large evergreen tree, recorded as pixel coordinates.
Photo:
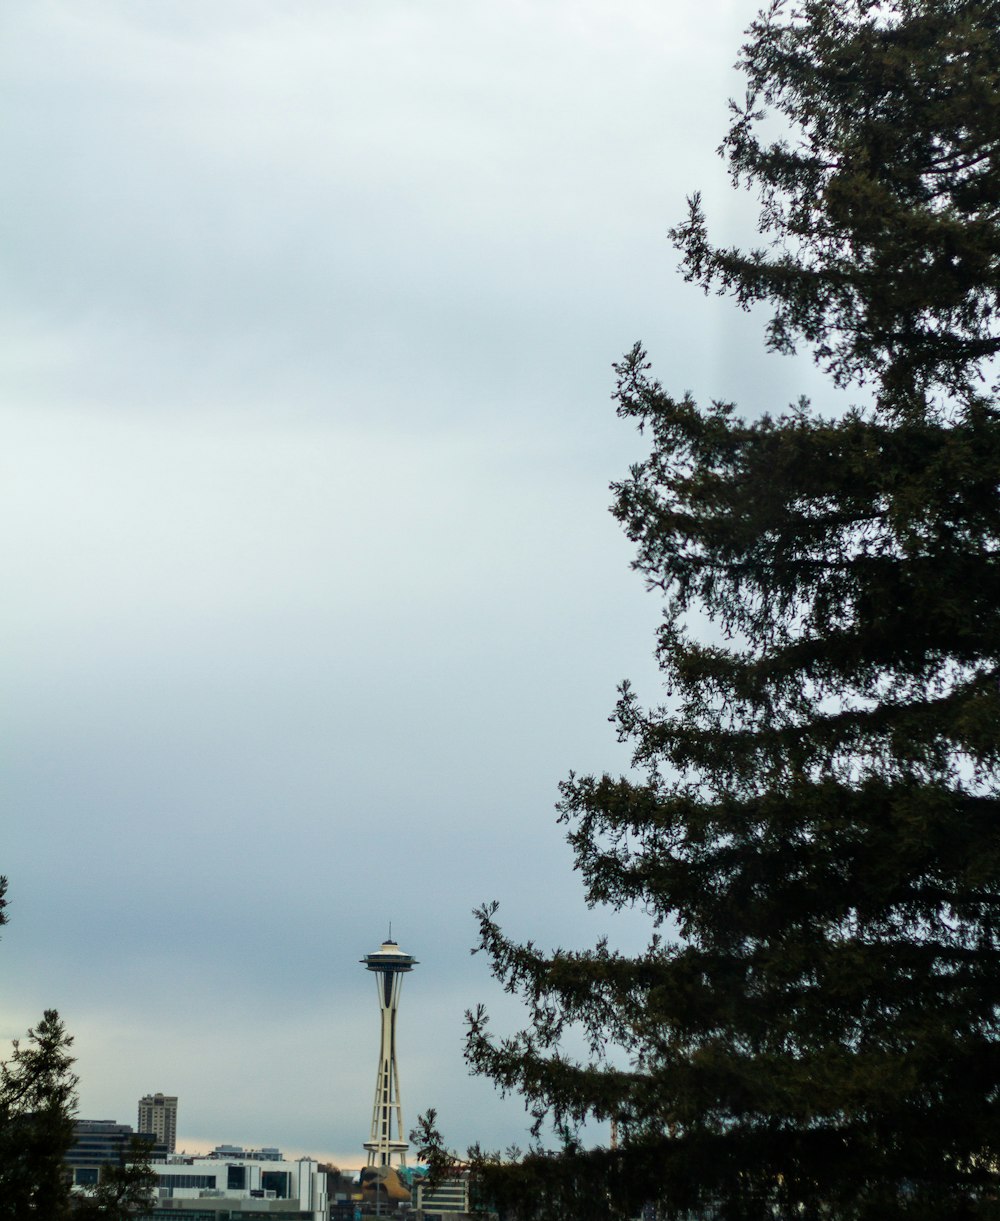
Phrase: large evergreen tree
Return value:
(814, 815)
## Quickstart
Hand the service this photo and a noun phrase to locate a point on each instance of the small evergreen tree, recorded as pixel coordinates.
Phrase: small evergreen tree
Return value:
(37, 1102)
(814, 818)
(125, 1191)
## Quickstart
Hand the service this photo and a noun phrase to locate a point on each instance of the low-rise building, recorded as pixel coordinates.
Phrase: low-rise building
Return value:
(230, 1182)
(101, 1142)
(450, 1198)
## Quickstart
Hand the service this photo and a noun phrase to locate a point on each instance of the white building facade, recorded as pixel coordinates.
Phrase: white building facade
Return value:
(240, 1184)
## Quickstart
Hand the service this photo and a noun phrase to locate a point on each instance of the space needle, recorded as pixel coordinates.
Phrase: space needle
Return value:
(386, 1141)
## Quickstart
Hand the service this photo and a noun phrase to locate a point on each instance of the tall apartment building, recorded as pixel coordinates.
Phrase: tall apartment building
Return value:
(158, 1114)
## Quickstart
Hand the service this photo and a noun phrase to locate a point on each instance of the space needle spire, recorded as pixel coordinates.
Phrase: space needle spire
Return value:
(386, 1140)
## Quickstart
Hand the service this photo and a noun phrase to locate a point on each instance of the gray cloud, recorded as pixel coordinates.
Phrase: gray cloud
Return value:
(311, 593)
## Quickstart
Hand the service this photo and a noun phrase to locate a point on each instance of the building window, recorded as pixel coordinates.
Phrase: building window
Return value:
(276, 1181)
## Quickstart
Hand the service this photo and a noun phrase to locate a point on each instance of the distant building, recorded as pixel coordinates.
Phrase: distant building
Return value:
(449, 1198)
(343, 1192)
(231, 1182)
(267, 1154)
(158, 1114)
(101, 1142)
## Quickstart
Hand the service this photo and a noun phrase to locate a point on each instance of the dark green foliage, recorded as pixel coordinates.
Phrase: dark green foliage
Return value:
(124, 1191)
(431, 1150)
(883, 203)
(814, 816)
(37, 1101)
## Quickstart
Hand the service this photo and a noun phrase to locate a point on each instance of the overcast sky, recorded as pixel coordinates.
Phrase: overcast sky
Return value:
(311, 595)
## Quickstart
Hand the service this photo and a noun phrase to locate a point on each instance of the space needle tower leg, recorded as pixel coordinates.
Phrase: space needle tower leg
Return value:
(386, 1140)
